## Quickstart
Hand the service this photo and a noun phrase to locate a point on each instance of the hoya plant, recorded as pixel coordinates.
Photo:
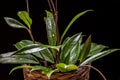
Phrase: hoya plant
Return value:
(61, 54)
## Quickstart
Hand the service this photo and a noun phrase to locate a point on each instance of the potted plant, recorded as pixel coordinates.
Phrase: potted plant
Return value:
(62, 58)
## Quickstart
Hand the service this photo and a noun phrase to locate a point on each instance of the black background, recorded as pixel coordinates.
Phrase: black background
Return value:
(102, 24)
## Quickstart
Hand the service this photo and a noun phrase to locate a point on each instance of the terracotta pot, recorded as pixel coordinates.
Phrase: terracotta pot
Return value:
(81, 74)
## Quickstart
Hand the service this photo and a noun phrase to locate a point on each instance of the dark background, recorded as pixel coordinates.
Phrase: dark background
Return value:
(102, 24)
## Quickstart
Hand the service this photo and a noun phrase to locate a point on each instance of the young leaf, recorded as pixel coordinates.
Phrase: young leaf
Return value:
(14, 23)
(72, 21)
(66, 68)
(85, 49)
(23, 15)
(98, 56)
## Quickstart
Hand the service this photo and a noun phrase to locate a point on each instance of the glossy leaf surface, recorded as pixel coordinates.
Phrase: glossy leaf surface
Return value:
(14, 23)
(19, 59)
(43, 54)
(7, 54)
(69, 45)
(98, 56)
(50, 28)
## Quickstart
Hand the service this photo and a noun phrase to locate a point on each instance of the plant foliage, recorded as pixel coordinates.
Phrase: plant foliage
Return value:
(67, 55)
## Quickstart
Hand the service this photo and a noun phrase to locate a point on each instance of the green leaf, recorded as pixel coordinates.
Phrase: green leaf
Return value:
(50, 28)
(66, 68)
(23, 15)
(68, 46)
(61, 67)
(71, 67)
(98, 56)
(74, 53)
(20, 67)
(19, 59)
(31, 48)
(49, 72)
(14, 23)
(72, 21)
(95, 48)
(45, 54)
(7, 54)
(34, 68)
(21, 44)
(85, 49)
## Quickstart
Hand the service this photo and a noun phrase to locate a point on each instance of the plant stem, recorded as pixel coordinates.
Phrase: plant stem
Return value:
(30, 33)
(56, 21)
(27, 3)
(53, 8)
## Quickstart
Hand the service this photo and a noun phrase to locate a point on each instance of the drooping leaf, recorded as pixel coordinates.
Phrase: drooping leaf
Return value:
(23, 15)
(66, 68)
(20, 67)
(85, 49)
(19, 59)
(14, 23)
(68, 46)
(98, 56)
(49, 72)
(96, 48)
(50, 28)
(35, 68)
(72, 21)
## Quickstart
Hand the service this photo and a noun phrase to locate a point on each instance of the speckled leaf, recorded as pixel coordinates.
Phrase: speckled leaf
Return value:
(50, 28)
(68, 46)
